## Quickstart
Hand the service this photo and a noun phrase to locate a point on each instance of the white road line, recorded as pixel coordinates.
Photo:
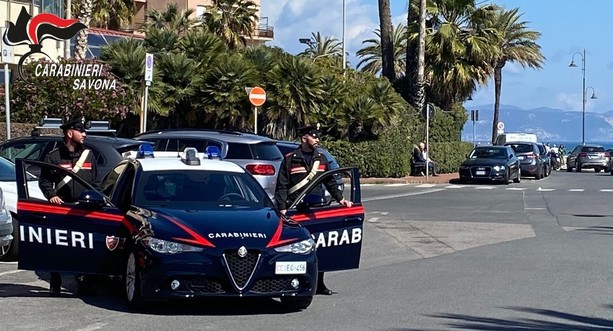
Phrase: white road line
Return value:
(385, 197)
(426, 185)
(484, 188)
(516, 189)
(455, 186)
(576, 190)
(545, 189)
(536, 208)
(398, 184)
(94, 326)
(372, 219)
(606, 190)
(385, 213)
(10, 272)
(362, 185)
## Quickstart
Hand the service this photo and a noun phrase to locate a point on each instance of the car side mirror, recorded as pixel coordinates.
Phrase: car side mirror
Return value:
(92, 199)
(510, 156)
(466, 156)
(313, 200)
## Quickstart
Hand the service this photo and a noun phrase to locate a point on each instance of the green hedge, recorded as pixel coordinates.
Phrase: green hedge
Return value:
(386, 158)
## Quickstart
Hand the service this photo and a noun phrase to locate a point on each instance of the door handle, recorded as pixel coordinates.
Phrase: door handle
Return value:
(353, 219)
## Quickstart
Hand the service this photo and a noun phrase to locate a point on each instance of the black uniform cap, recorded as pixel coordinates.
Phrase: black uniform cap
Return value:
(310, 130)
(75, 124)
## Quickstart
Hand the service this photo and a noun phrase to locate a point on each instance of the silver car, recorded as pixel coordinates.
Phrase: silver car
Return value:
(257, 154)
(588, 156)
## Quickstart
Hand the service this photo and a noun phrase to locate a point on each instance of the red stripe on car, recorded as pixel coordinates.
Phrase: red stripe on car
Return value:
(329, 213)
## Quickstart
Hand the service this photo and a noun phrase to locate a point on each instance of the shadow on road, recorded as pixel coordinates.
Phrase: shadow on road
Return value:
(537, 320)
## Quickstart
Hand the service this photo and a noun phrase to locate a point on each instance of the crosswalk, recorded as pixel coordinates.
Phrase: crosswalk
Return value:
(489, 187)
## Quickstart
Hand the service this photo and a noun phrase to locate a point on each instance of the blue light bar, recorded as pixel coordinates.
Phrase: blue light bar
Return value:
(212, 152)
(144, 151)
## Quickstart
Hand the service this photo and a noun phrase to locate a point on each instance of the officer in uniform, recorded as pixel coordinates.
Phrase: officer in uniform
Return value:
(299, 168)
(59, 189)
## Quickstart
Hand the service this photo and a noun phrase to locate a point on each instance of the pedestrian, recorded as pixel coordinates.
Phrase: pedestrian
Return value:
(422, 156)
(59, 189)
(297, 170)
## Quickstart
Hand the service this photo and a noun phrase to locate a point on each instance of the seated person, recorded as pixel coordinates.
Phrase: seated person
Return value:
(422, 156)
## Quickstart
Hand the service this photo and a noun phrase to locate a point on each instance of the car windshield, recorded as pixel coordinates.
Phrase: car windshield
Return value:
(488, 153)
(522, 148)
(592, 149)
(198, 189)
(7, 171)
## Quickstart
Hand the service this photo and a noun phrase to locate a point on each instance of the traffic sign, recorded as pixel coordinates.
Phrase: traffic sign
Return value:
(257, 96)
(7, 51)
(148, 67)
(500, 126)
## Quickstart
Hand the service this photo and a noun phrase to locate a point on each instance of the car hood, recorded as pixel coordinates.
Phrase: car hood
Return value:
(225, 228)
(485, 162)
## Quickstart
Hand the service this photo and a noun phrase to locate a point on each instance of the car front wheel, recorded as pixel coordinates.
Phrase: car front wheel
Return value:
(518, 178)
(132, 283)
(10, 252)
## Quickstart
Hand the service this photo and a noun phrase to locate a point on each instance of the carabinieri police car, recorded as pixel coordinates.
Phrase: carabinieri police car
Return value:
(191, 226)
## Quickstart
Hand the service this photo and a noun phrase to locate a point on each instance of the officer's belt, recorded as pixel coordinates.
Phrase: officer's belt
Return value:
(75, 169)
(306, 179)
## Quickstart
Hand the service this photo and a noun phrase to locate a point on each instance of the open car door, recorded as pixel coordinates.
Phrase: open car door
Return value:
(336, 229)
(83, 237)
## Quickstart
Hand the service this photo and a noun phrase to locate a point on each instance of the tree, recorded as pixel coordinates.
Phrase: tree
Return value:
(84, 15)
(171, 18)
(516, 44)
(232, 21)
(320, 46)
(110, 14)
(371, 54)
(387, 46)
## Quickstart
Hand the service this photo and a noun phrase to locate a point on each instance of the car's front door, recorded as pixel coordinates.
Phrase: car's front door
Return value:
(336, 229)
(81, 237)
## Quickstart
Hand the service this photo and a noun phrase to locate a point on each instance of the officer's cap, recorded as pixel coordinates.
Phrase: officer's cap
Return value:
(75, 124)
(310, 130)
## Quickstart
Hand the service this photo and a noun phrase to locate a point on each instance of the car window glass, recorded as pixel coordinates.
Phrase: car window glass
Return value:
(523, 148)
(590, 149)
(488, 153)
(31, 151)
(266, 151)
(339, 181)
(159, 144)
(108, 184)
(239, 152)
(123, 192)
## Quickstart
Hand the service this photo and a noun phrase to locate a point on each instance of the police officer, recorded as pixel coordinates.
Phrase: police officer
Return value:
(297, 170)
(59, 188)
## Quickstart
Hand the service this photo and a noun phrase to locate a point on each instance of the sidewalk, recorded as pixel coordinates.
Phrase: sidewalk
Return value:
(440, 179)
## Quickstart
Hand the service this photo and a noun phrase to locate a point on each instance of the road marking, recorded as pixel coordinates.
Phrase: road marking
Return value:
(606, 190)
(484, 188)
(426, 185)
(535, 208)
(12, 262)
(10, 272)
(545, 189)
(398, 184)
(372, 219)
(576, 190)
(385, 197)
(384, 213)
(94, 326)
(455, 186)
(516, 189)
(367, 185)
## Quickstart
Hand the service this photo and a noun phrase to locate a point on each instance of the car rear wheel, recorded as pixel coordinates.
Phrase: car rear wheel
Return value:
(10, 252)
(569, 168)
(518, 178)
(132, 284)
(578, 167)
(297, 303)
(596, 169)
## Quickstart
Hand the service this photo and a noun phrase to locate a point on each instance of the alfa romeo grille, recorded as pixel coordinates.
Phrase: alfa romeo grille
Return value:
(241, 268)
(204, 285)
(268, 285)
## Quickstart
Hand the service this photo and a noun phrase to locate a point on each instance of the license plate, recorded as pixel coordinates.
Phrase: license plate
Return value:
(290, 268)
(480, 173)
(520, 157)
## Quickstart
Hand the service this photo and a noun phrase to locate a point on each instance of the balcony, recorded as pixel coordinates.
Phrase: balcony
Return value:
(263, 30)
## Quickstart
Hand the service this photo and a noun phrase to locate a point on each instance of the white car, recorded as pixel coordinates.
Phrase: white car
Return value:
(9, 230)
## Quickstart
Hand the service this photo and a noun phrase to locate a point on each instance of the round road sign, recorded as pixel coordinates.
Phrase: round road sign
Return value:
(500, 126)
(257, 96)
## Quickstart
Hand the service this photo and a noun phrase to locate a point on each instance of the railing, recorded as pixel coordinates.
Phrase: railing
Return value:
(264, 30)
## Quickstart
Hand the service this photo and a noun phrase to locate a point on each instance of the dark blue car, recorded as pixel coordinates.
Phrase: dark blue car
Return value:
(191, 227)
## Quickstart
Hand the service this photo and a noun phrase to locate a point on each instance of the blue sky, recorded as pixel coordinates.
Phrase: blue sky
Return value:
(566, 26)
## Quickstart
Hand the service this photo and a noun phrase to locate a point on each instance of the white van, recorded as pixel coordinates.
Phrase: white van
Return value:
(518, 136)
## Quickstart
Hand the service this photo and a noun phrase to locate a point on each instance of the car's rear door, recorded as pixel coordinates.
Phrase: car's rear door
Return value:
(72, 237)
(336, 229)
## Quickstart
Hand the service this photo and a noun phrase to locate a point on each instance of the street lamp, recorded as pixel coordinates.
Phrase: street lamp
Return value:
(583, 91)
(344, 52)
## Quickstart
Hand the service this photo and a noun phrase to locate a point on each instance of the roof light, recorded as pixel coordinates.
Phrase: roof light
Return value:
(212, 152)
(191, 156)
(144, 151)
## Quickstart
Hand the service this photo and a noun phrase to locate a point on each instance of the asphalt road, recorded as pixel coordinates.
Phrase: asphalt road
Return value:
(529, 256)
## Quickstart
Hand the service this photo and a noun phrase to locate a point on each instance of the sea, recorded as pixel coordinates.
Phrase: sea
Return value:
(568, 145)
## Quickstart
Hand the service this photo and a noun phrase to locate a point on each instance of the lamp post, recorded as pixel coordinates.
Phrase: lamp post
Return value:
(344, 52)
(583, 91)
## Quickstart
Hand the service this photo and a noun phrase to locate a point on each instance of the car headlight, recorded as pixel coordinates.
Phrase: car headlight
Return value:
(499, 167)
(464, 167)
(170, 247)
(302, 247)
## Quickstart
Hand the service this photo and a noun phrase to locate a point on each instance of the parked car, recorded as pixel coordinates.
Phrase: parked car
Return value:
(256, 154)
(529, 156)
(546, 157)
(8, 208)
(188, 227)
(588, 156)
(491, 163)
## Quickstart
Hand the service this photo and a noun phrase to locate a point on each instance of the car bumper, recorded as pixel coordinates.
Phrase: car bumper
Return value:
(211, 278)
(487, 174)
(530, 169)
(6, 228)
(594, 163)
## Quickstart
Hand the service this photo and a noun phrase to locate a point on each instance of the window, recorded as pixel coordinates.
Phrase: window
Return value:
(30, 151)
(239, 152)
(266, 151)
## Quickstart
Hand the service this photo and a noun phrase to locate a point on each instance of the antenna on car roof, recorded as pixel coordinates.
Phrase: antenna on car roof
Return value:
(178, 152)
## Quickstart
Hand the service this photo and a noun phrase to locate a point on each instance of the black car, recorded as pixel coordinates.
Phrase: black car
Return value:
(191, 227)
(492, 163)
(529, 156)
(107, 150)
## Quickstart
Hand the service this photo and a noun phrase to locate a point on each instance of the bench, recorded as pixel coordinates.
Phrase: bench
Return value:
(417, 167)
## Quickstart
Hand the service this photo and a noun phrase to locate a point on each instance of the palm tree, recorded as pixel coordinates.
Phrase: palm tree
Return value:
(516, 44)
(232, 21)
(320, 46)
(110, 14)
(171, 18)
(84, 15)
(387, 46)
(370, 55)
